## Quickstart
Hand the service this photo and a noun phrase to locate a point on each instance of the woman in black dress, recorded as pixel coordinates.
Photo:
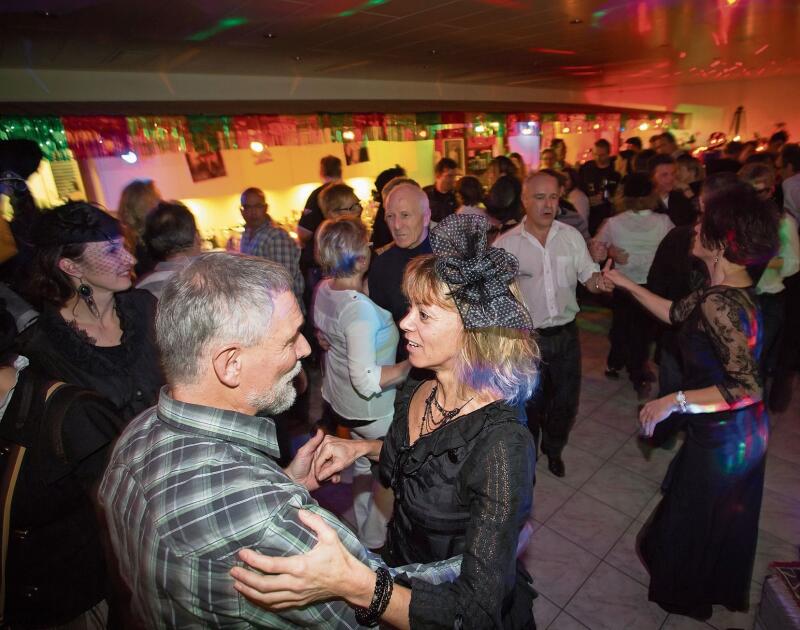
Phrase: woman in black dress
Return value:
(459, 460)
(94, 330)
(700, 543)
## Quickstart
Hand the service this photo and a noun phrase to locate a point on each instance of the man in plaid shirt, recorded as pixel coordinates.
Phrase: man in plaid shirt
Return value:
(194, 480)
(265, 239)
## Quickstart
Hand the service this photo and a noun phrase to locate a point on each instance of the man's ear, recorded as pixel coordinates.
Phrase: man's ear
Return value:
(227, 363)
(69, 267)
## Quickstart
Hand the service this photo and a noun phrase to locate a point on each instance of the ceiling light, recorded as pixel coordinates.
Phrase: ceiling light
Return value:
(565, 130)
(480, 128)
(348, 135)
(737, 138)
(130, 157)
(644, 126)
(596, 126)
(423, 133)
(526, 131)
(576, 21)
(270, 35)
(256, 146)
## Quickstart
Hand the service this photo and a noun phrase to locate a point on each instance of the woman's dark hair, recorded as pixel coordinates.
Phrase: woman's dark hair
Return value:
(572, 179)
(503, 166)
(469, 190)
(641, 161)
(50, 285)
(746, 226)
(384, 178)
(63, 233)
(169, 230)
(504, 201)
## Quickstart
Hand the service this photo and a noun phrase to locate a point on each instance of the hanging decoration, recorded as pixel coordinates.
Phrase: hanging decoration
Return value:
(47, 132)
(105, 136)
(151, 135)
(97, 136)
(210, 133)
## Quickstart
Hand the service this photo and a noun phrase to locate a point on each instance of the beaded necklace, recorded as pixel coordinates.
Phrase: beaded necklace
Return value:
(428, 424)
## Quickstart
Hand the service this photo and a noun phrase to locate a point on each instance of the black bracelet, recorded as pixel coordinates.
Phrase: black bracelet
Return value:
(380, 600)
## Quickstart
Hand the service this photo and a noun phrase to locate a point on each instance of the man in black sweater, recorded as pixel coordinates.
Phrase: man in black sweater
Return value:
(441, 194)
(408, 216)
(671, 201)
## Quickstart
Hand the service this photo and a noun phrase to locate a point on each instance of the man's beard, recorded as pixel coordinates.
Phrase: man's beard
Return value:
(279, 397)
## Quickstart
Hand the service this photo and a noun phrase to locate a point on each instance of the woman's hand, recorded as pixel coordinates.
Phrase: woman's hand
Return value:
(616, 278)
(302, 469)
(336, 454)
(654, 412)
(328, 571)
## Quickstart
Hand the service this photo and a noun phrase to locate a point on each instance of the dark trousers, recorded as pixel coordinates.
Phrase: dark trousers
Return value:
(630, 336)
(598, 214)
(552, 409)
(773, 312)
(788, 358)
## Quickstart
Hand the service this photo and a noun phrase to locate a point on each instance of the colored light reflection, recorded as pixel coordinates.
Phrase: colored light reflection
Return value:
(552, 51)
(362, 7)
(223, 25)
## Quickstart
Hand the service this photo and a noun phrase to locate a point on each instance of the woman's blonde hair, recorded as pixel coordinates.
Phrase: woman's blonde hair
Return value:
(336, 199)
(497, 361)
(339, 244)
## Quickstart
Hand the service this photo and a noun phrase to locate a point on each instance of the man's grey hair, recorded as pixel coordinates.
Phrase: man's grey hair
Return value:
(219, 297)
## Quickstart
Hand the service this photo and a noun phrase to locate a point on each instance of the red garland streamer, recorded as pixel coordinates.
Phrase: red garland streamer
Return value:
(97, 136)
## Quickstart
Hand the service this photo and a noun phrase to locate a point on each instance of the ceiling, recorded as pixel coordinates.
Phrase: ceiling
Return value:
(571, 44)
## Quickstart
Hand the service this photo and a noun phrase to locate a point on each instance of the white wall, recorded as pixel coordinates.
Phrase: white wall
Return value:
(287, 180)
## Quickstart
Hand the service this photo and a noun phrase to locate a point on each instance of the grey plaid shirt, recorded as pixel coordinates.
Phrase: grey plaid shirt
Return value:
(274, 243)
(187, 487)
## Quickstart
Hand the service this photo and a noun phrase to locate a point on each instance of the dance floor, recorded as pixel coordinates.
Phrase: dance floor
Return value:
(582, 554)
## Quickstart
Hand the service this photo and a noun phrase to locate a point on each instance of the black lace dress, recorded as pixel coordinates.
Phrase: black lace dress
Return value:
(700, 543)
(466, 488)
(129, 375)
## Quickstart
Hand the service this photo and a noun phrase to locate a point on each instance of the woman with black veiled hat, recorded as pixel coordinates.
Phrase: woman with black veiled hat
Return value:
(459, 460)
(94, 330)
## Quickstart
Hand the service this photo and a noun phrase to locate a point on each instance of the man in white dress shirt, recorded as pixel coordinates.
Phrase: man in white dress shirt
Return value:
(553, 258)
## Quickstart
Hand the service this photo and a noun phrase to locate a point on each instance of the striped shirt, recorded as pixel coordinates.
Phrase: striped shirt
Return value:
(187, 487)
(274, 243)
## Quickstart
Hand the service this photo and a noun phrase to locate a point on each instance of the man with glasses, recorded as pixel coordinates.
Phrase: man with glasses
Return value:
(265, 239)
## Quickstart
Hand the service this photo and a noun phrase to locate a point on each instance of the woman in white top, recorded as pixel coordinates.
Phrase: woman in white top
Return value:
(360, 375)
(632, 238)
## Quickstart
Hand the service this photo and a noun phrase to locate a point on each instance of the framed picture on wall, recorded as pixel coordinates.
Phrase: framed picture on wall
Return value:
(453, 148)
(204, 166)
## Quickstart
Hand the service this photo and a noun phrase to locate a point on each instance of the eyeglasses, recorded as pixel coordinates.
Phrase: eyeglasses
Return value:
(356, 207)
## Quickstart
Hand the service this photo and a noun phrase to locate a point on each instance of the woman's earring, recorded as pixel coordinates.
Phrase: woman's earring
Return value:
(85, 293)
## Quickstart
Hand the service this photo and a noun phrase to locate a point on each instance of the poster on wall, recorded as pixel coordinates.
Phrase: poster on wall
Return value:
(204, 166)
(454, 149)
(355, 153)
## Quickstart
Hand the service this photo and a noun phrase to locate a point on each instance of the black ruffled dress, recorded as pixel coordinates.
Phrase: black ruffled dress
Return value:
(466, 488)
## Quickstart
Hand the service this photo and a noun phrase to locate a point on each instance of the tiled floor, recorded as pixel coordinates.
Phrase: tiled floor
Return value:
(582, 552)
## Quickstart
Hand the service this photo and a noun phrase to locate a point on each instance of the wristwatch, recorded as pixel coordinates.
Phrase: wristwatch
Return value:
(680, 398)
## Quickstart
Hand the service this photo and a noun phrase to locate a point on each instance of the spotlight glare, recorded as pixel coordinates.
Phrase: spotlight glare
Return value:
(130, 157)
(256, 146)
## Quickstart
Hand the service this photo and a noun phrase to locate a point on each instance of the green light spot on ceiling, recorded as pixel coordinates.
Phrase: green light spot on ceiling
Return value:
(362, 7)
(223, 25)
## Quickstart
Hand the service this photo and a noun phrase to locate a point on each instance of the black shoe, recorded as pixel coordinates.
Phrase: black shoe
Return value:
(556, 465)
(612, 373)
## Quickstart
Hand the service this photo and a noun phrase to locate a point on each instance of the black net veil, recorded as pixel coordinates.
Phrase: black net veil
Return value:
(478, 276)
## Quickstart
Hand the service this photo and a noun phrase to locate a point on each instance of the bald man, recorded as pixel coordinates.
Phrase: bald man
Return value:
(553, 258)
(408, 216)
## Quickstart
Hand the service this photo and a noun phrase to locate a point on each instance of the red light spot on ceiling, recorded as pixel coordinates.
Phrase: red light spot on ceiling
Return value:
(552, 51)
(682, 55)
(643, 24)
(663, 64)
(762, 49)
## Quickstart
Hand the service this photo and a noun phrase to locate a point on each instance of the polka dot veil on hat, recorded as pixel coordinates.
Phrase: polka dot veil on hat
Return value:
(478, 276)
